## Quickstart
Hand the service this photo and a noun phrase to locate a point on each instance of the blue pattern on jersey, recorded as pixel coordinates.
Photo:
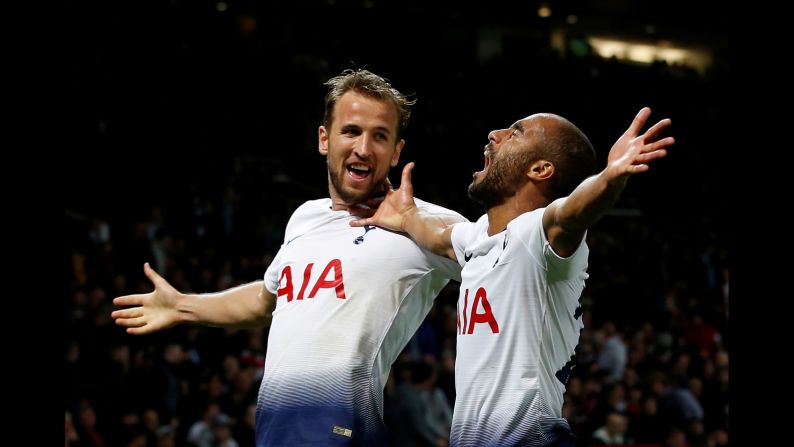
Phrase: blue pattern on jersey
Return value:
(313, 426)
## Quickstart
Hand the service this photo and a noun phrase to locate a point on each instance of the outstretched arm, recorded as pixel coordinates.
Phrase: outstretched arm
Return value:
(398, 212)
(566, 219)
(246, 306)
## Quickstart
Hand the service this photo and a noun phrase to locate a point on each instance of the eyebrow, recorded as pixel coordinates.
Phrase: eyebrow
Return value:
(385, 130)
(518, 126)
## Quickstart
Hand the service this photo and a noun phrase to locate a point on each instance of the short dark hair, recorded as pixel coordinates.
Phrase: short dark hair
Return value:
(572, 155)
(369, 84)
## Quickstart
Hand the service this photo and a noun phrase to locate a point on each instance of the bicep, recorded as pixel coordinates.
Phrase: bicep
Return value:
(266, 303)
(434, 232)
(562, 241)
(267, 297)
(446, 248)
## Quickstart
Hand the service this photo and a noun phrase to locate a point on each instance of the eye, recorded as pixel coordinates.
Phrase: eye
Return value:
(381, 137)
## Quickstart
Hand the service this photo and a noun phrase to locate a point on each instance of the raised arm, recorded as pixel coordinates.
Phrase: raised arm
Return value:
(566, 219)
(246, 306)
(398, 212)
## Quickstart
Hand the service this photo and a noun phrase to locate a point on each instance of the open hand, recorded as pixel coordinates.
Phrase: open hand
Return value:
(154, 311)
(632, 152)
(393, 208)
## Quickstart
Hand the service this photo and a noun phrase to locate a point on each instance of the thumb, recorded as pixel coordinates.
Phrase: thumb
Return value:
(362, 222)
(405, 183)
(151, 274)
(362, 212)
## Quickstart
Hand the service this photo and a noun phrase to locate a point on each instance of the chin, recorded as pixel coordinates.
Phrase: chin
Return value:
(355, 195)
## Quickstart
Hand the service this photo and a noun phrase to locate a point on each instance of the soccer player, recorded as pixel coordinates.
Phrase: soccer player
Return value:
(524, 267)
(341, 302)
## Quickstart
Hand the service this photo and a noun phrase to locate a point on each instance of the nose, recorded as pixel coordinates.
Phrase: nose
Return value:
(364, 147)
(495, 136)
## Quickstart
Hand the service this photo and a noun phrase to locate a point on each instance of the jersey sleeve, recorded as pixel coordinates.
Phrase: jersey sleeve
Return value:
(461, 233)
(565, 267)
(292, 229)
(529, 227)
(271, 274)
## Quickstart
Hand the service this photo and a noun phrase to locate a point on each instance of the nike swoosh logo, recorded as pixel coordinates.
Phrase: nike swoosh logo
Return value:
(466, 257)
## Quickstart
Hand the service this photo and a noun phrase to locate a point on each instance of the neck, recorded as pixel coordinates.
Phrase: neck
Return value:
(501, 215)
(339, 204)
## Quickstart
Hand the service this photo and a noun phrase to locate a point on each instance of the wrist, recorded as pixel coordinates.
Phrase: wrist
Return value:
(186, 308)
(615, 178)
(409, 217)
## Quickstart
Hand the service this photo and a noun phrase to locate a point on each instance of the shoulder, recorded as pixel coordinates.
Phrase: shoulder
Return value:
(528, 228)
(309, 212)
(317, 205)
(466, 232)
(436, 209)
(528, 219)
(480, 226)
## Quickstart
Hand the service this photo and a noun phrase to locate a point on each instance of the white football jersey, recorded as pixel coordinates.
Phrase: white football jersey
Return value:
(348, 301)
(518, 326)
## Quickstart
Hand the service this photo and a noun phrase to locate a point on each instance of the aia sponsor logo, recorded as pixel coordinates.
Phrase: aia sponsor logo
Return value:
(330, 278)
(479, 313)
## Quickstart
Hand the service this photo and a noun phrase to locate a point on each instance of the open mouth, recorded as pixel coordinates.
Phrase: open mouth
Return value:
(358, 171)
(486, 163)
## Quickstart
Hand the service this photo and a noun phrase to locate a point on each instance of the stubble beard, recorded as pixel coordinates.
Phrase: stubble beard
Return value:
(502, 180)
(348, 195)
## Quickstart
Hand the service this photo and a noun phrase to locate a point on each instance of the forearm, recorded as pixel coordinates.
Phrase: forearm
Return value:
(431, 232)
(589, 201)
(246, 306)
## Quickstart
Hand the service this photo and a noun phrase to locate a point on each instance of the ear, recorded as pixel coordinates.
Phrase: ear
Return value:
(396, 157)
(540, 170)
(322, 140)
